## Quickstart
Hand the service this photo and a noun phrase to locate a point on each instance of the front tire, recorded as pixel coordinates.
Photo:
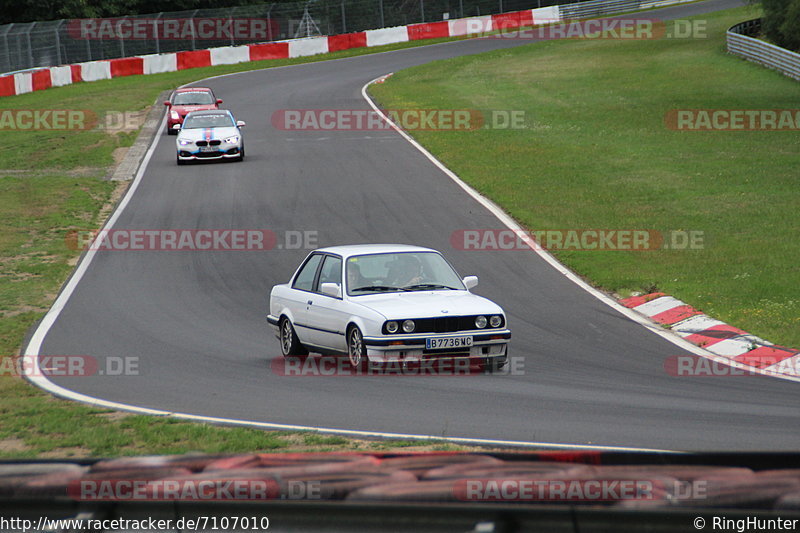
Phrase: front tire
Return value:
(495, 364)
(180, 161)
(290, 344)
(356, 350)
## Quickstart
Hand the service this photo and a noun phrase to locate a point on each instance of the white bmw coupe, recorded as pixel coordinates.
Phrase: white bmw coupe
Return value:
(386, 303)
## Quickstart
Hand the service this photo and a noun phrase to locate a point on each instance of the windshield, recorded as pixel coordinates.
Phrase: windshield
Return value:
(219, 120)
(193, 98)
(405, 271)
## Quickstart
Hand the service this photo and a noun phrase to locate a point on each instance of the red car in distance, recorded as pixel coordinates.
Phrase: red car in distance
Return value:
(186, 100)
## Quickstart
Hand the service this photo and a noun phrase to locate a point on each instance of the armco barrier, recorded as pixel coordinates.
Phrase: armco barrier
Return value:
(758, 51)
(36, 80)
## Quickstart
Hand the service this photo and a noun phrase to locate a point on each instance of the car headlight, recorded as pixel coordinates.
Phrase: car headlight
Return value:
(391, 326)
(232, 140)
(408, 326)
(174, 115)
(495, 321)
(480, 322)
(184, 142)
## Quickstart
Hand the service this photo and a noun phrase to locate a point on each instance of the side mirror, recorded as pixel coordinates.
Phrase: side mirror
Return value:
(331, 289)
(470, 281)
(240, 124)
(168, 104)
(219, 101)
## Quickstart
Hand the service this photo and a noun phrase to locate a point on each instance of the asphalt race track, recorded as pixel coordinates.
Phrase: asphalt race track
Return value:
(196, 320)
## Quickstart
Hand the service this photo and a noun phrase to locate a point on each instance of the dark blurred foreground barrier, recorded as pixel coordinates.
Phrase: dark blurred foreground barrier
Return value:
(553, 491)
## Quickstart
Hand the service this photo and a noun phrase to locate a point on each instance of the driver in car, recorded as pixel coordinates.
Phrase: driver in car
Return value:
(409, 271)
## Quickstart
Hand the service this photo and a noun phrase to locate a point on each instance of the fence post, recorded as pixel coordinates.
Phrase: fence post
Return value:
(193, 23)
(344, 19)
(422, 10)
(30, 46)
(230, 19)
(58, 41)
(269, 22)
(383, 24)
(156, 31)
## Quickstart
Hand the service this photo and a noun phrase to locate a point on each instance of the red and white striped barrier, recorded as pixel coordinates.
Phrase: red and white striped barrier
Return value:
(41, 79)
(714, 335)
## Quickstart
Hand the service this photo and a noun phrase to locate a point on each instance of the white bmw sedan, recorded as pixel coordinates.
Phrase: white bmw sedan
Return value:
(210, 134)
(386, 303)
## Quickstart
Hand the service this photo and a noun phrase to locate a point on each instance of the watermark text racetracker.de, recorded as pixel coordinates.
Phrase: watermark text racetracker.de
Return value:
(694, 366)
(733, 119)
(191, 240)
(166, 28)
(332, 366)
(69, 120)
(196, 488)
(407, 119)
(621, 28)
(577, 239)
(599, 490)
(68, 366)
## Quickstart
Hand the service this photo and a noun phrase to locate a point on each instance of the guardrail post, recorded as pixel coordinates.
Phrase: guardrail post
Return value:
(30, 46)
(57, 33)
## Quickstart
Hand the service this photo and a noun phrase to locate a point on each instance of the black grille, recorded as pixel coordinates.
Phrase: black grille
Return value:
(202, 143)
(215, 143)
(445, 324)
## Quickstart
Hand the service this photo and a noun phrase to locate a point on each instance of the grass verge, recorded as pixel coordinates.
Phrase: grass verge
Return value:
(595, 153)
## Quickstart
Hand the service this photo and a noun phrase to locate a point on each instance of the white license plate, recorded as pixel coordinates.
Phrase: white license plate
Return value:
(208, 149)
(441, 343)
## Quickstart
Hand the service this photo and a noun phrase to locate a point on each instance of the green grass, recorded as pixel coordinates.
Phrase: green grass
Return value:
(50, 183)
(595, 153)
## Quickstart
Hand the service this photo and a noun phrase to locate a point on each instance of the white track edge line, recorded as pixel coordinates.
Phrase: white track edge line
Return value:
(511, 224)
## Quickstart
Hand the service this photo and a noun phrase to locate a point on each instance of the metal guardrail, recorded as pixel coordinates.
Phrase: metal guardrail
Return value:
(742, 44)
(594, 8)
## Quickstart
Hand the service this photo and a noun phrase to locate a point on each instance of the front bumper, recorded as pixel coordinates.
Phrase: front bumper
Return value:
(411, 348)
(222, 151)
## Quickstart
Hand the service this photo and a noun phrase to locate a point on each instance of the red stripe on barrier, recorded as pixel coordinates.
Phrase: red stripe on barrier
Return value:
(7, 87)
(432, 30)
(75, 70)
(765, 356)
(512, 20)
(194, 59)
(636, 301)
(40, 80)
(261, 52)
(346, 41)
(128, 66)
(676, 314)
(714, 335)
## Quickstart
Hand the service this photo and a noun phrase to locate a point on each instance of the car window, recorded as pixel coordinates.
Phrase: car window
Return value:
(305, 278)
(193, 98)
(216, 120)
(399, 271)
(331, 271)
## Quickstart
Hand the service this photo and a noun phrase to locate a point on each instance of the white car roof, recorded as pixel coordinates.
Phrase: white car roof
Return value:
(361, 249)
